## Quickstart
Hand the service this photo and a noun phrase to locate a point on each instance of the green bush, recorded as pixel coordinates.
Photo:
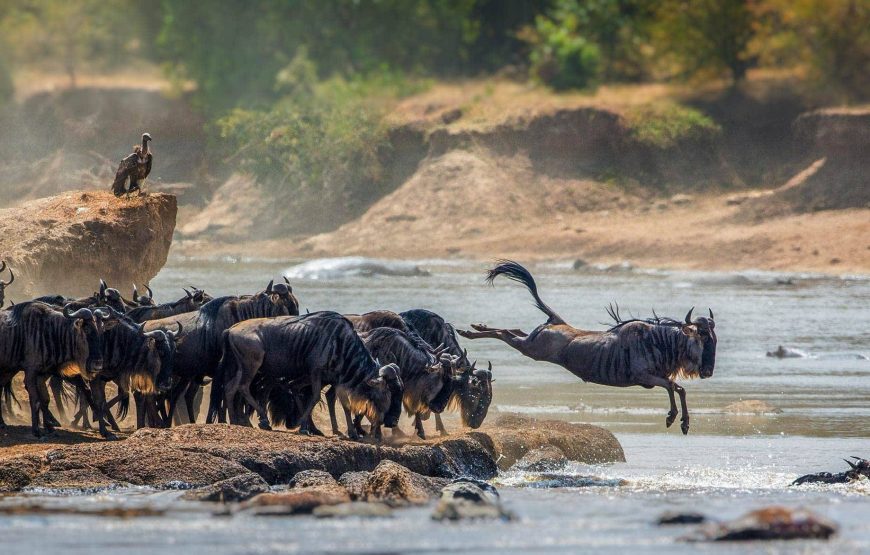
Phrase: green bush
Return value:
(664, 125)
(562, 59)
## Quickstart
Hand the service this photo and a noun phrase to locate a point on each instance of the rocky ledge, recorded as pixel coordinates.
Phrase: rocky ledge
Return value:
(228, 461)
(66, 243)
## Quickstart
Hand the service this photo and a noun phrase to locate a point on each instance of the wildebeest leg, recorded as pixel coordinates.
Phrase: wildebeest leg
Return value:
(98, 394)
(684, 421)
(655, 381)
(418, 425)
(357, 425)
(258, 406)
(330, 404)
(48, 419)
(439, 425)
(189, 398)
(313, 399)
(672, 414)
(351, 425)
(139, 399)
(31, 379)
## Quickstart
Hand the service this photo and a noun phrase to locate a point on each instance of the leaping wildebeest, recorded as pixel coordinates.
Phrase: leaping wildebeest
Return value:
(649, 353)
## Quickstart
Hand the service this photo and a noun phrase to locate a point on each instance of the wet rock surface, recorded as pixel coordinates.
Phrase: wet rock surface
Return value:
(359, 509)
(671, 518)
(237, 488)
(548, 457)
(469, 499)
(769, 523)
(198, 455)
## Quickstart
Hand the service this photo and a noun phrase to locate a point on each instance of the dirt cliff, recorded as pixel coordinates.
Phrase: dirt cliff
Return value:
(65, 244)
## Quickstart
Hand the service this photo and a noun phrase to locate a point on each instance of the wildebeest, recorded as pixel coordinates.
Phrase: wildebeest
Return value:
(426, 376)
(5, 284)
(363, 323)
(857, 470)
(143, 300)
(135, 360)
(648, 353)
(106, 296)
(199, 346)
(309, 351)
(189, 303)
(39, 340)
(471, 388)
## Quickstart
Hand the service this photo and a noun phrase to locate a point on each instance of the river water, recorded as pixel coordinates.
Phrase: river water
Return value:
(729, 463)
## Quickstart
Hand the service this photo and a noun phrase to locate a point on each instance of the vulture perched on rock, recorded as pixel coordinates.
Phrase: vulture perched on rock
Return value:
(136, 166)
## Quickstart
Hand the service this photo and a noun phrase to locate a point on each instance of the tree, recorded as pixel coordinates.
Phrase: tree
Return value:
(706, 36)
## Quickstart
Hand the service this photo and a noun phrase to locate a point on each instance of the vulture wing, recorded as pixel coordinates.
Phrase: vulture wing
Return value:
(125, 170)
(148, 165)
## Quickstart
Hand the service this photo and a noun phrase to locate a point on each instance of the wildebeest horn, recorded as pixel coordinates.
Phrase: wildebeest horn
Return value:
(175, 334)
(186, 292)
(850, 463)
(269, 287)
(103, 287)
(489, 365)
(150, 292)
(287, 281)
(140, 327)
(80, 313)
(11, 277)
(2, 265)
(689, 315)
(473, 364)
(710, 310)
(135, 293)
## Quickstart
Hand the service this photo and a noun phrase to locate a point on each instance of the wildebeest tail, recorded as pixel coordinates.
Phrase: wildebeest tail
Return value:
(283, 408)
(8, 397)
(515, 271)
(62, 391)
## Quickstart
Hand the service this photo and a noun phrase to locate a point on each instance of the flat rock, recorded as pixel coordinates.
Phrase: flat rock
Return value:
(237, 488)
(296, 500)
(769, 523)
(359, 509)
(544, 458)
(395, 485)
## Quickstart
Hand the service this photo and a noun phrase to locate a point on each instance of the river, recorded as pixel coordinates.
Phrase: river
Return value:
(728, 464)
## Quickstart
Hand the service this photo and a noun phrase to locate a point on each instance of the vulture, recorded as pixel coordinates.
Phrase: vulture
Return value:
(136, 166)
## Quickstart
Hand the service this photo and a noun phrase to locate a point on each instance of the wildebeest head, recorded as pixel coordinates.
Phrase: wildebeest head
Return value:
(88, 325)
(473, 391)
(143, 300)
(859, 469)
(701, 343)
(162, 345)
(4, 284)
(111, 297)
(385, 394)
(282, 295)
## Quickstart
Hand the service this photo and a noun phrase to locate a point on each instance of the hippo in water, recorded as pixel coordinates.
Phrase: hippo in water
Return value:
(858, 470)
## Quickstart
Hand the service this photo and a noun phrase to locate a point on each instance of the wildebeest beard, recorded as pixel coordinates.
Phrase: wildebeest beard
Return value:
(374, 402)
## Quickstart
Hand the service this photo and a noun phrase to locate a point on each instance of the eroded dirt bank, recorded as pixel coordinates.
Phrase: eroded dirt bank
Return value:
(199, 455)
(65, 244)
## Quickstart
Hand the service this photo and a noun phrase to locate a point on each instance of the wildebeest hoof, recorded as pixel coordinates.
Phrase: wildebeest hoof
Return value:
(110, 437)
(685, 427)
(670, 419)
(265, 426)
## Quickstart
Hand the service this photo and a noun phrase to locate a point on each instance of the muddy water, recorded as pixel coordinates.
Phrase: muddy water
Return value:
(729, 463)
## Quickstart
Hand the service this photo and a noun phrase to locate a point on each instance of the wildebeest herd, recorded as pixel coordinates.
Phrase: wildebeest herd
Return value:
(265, 360)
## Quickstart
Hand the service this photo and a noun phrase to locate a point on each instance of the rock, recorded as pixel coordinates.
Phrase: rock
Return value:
(296, 500)
(83, 479)
(786, 352)
(18, 472)
(752, 406)
(682, 199)
(55, 247)
(355, 483)
(510, 437)
(396, 485)
(770, 523)
(237, 488)
(354, 509)
(309, 478)
(670, 518)
(547, 457)
(466, 499)
(450, 116)
(579, 264)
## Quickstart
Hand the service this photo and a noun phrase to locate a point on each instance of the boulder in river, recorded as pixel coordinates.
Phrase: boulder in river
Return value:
(395, 485)
(769, 523)
(542, 459)
(470, 499)
(65, 244)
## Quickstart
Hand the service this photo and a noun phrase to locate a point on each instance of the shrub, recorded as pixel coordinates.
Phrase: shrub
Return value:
(664, 125)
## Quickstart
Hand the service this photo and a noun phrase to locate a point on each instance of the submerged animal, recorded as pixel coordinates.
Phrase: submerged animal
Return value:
(649, 353)
(857, 470)
(135, 167)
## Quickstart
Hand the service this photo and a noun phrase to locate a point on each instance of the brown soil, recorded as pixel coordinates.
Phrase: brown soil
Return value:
(65, 244)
